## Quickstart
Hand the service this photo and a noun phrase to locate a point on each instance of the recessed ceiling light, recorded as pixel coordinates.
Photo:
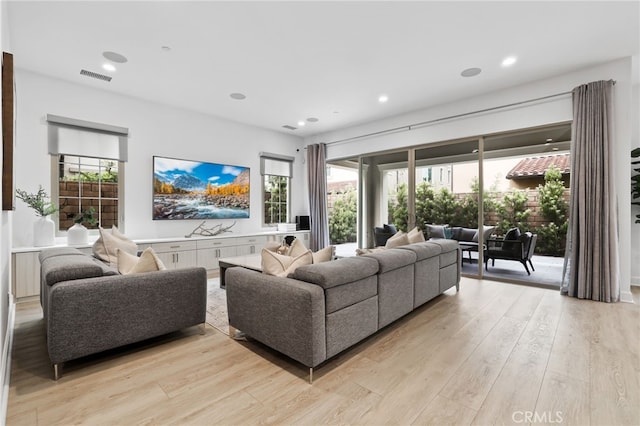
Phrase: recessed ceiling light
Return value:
(383, 98)
(336, 112)
(115, 57)
(301, 123)
(549, 139)
(471, 72)
(508, 61)
(165, 48)
(312, 120)
(238, 96)
(108, 67)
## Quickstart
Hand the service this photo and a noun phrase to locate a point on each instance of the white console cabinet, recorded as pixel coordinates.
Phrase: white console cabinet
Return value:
(174, 253)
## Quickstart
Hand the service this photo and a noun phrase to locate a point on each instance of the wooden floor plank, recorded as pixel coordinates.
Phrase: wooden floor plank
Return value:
(477, 355)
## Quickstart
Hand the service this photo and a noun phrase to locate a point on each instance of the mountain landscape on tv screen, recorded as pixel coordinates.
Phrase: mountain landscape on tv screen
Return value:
(192, 190)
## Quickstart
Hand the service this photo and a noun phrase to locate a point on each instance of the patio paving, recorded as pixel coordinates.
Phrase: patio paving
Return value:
(548, 269)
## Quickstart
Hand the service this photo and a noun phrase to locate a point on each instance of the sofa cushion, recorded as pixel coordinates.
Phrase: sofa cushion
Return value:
(56, 269)
(58, 251)
(424, 250)
(467, 234)
(436, 231)
(389, 260)
(399, 239)
(391, 229)
(281, 265)
(338, 272)
(486, 232)
(147, 262)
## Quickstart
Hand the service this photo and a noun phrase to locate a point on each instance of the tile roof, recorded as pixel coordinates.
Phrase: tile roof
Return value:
(536, 166)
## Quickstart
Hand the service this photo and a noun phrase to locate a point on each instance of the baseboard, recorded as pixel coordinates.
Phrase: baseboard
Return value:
(635, 280)
(5, 362)
(626, 296)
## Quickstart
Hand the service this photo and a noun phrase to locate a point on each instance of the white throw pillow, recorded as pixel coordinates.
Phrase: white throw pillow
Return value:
(415, 235)
(297, 248)
(399, 239)
(281, 265)
(131, 264)
(106, 245)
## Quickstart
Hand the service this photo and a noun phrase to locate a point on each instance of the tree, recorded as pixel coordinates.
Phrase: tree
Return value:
(342, 218)
(398, 210)
(424, 204)
(512, 211)
(552, 237)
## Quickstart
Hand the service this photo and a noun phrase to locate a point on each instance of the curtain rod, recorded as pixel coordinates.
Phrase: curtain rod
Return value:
(437, 120)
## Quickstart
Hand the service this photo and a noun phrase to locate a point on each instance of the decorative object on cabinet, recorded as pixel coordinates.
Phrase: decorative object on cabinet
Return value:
(43, 228)
(185, 189)
(210, 232)
(78, 233)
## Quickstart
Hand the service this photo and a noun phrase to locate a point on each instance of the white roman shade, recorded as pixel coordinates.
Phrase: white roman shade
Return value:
(276, 164)
(86, 139)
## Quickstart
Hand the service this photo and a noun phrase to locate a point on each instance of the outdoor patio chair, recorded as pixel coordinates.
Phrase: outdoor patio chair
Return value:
(513, 247)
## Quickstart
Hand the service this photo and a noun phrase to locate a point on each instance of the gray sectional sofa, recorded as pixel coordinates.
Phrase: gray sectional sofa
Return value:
(89, 307)
(328, 307)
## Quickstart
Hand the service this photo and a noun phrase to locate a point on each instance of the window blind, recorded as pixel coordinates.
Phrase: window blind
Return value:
(276, 164)
(86, 139)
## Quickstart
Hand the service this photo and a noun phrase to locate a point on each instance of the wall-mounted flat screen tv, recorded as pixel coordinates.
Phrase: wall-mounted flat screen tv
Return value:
(184, 189)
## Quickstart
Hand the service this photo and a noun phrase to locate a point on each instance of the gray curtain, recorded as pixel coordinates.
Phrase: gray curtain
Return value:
(317, 177)
(591, 262)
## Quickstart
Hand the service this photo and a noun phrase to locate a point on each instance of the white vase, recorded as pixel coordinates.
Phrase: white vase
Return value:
(77, 235)
(44, 232)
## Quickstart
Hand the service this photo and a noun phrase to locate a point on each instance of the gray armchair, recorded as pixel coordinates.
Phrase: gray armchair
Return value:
(513, 247)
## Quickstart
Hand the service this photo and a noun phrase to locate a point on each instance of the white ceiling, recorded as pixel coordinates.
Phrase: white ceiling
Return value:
(329, 60)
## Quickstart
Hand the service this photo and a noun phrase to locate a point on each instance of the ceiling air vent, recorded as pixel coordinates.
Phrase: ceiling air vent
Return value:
(286, 126)
(95, 75)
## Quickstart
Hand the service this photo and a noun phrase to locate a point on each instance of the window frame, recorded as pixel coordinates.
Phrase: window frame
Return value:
(275, 165)
(55, 192)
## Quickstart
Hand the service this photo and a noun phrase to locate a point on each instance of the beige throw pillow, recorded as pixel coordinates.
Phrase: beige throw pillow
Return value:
(297, 248)
(281, 265)
(415, 235)
(324, 255)
(105, 246)
(399, 239)
(360, 251)
(131, 264)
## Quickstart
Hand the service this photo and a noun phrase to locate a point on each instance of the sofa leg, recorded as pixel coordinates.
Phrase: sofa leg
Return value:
(310, 375)
(203, 328)
(57, 371)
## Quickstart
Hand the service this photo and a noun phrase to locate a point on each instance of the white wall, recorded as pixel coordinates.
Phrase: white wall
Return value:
(555, 110)
(155, 129)
(635, 143)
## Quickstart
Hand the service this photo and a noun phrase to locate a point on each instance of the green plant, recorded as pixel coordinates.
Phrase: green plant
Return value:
(399, 211)
(38, 201)
(512, 211)
(342, 219)
(635, 182)
(87, 216)
(552, 237)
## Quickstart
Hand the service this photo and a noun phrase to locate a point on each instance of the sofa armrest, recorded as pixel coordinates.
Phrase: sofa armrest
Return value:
(285, 314)
(86, 316)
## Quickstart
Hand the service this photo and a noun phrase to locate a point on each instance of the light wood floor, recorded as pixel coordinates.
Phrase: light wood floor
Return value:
(493, 353)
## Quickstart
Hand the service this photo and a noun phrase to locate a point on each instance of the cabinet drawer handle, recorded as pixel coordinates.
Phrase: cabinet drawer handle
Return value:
(175, 246)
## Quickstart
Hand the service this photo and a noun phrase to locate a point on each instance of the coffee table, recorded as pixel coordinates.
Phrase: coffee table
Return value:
(249, 261)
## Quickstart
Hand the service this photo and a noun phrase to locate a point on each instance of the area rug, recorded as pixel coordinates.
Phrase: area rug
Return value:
(217, 316)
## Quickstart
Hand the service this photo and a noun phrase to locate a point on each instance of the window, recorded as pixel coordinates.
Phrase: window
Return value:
(276, 176)
(85, 183)
(87, 170)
